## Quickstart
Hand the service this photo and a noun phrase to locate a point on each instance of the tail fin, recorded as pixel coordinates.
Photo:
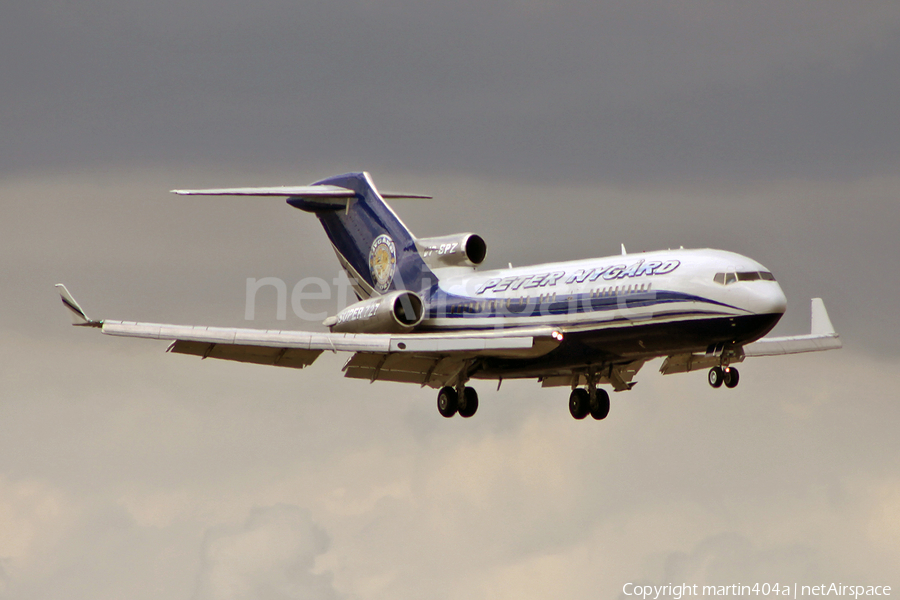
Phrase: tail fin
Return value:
(375, 248)
(373, 245)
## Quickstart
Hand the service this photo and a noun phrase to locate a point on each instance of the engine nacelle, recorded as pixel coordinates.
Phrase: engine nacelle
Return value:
(397, 312)
(458, 250)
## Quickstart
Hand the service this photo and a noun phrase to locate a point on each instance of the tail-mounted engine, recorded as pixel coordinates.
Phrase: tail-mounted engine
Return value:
(458, 250)
(397, 312)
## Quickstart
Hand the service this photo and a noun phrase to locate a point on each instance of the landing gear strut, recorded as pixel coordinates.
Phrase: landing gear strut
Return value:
(727, 375)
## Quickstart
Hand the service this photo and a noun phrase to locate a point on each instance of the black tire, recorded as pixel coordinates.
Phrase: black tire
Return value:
(579, 403)
(600, 405)
(715, 377)
(731, 377)
(447, 402)
(469, 403)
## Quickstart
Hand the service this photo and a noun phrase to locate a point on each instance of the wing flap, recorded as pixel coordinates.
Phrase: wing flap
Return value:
(620, 376)
(433, 371)
(260, 355)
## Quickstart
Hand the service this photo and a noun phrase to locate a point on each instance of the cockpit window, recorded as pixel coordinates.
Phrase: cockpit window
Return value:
(731, 277)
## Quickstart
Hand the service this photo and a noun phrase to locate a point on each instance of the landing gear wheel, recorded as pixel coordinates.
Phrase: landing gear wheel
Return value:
(447, 402)
(579, 403)
(716, 376)
(600, 405)
(731, 377)
(468, 404)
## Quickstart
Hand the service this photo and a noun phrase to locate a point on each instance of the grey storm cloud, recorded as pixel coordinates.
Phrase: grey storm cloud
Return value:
(575, 90)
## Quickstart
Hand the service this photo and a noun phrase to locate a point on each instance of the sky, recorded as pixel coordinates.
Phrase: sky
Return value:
(556, 131)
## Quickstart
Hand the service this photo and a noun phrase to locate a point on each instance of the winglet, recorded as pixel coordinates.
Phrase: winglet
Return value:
(822, 336)
(821, 324)
(75, 311)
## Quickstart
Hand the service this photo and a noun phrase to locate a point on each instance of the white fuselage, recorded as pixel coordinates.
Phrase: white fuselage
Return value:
(643, 288)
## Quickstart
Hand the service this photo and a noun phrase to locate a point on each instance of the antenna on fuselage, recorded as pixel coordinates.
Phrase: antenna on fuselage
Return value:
(624, 252)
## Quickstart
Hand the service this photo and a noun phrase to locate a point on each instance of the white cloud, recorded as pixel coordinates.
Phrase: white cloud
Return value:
(271, 556)
(127, 472)
(33, 517)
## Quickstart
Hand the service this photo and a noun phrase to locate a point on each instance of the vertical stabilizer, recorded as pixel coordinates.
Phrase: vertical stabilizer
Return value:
(373, 245)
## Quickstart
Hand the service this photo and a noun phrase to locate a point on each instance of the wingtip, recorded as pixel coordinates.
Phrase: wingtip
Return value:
(76, 313)
(820, 321)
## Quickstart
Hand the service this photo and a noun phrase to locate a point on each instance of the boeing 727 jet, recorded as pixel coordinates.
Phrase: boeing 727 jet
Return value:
(427, 316)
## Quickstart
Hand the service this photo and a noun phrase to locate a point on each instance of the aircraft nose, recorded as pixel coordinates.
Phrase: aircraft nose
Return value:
(771, 299)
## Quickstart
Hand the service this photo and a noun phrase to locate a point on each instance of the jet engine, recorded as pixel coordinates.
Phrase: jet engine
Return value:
(458, 250)
(397, 312)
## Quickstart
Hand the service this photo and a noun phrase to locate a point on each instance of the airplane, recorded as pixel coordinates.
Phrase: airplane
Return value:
(426, 314)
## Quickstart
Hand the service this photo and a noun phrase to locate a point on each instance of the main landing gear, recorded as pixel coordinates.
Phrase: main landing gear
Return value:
(450, 402)
(583, 403)
(727, 375)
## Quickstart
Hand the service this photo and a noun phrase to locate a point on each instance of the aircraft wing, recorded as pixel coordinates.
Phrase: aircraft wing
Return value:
(426, 358)
(822, 336)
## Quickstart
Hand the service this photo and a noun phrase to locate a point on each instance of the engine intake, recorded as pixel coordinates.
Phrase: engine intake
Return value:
(458, 250)
(397, 312)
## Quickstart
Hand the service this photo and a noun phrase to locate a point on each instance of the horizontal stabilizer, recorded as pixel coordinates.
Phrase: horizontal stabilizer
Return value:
(310, 192)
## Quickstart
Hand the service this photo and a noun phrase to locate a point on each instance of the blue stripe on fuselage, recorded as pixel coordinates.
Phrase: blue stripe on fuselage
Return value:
(449, 306)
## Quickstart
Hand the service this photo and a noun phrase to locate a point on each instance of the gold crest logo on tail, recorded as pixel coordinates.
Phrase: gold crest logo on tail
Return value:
(382, 262)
